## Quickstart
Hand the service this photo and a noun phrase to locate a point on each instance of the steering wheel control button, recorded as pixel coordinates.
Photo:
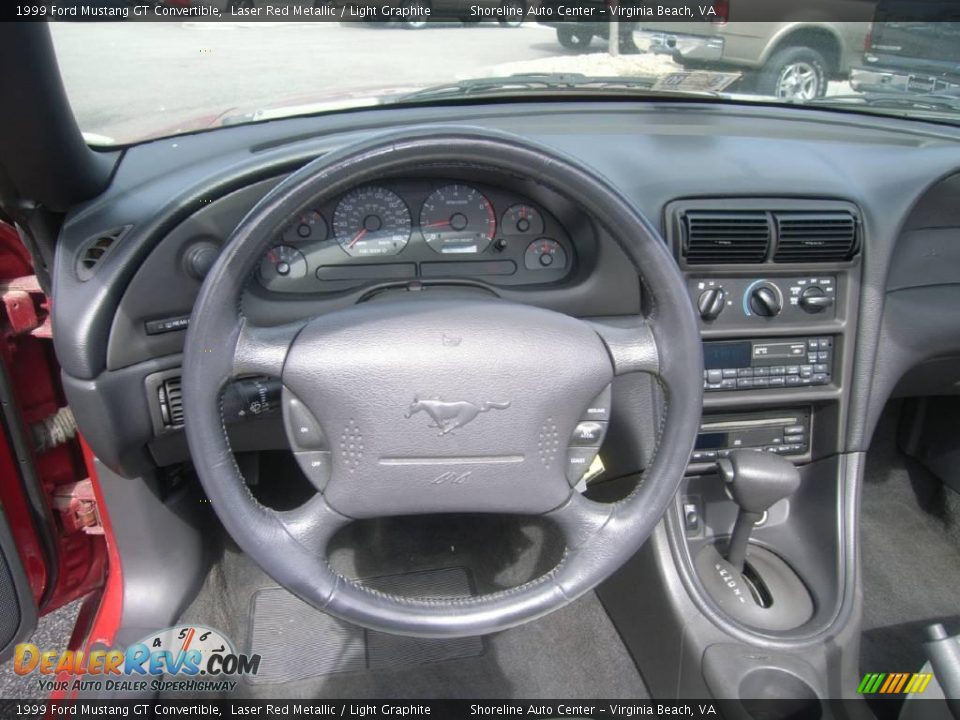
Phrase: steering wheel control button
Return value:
(588, 433)
(599, 408)
(316, 466)
(579, 460)
(302, 428)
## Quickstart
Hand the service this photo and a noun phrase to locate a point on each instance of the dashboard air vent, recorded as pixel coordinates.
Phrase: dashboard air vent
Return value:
(720, 236)
(815, 237)
(171, 402)
(94, 250)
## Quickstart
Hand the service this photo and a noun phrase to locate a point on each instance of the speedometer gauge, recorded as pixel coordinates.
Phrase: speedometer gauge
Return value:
(457, 219)
(372, 221)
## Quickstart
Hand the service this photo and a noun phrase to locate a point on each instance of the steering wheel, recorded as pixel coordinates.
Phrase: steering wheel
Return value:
(509, 382)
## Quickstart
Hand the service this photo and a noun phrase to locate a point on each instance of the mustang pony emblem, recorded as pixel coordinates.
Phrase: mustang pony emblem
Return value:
(448, 416)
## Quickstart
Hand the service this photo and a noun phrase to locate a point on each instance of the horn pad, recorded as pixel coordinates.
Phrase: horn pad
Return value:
(452, 405)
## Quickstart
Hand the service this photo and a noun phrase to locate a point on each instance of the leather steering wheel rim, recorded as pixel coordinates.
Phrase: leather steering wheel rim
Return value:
(290, 545)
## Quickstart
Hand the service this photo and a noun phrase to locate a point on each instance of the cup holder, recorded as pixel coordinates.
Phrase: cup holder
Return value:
(775, 694)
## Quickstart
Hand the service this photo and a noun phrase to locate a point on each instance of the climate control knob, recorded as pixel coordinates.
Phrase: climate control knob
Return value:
(765, 300)
(814, 299)
(710, 303)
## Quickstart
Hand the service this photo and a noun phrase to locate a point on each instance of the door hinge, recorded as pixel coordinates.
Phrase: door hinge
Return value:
(78, 509)
(25, 307)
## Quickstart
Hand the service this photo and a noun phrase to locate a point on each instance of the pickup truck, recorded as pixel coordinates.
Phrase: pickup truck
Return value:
(786, 59)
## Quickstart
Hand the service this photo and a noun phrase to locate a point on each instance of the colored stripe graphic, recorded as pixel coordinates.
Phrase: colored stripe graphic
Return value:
(894, 683)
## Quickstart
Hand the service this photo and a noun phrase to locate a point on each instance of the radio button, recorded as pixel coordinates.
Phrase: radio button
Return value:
(821, 368)
(806, 371)
(792, 380)
(729, 372)
(728, 384)
(714, 376)
(777, 381)
(744, 383)
(792, 429)
(820, 378)
(745, 372)
(761, 371)
(761, 382)
(823, 356)
(778, 370)
(793, 369)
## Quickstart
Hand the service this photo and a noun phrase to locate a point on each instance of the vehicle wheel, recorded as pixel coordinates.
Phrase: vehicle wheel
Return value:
(574, 39)
(513, 12)
(797, 73)
(416, 17)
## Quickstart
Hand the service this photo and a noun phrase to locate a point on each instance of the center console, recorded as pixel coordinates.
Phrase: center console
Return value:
(760, 536)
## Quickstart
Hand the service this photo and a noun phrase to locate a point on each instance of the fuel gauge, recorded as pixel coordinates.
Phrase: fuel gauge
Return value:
(545, 254)
(280, 265)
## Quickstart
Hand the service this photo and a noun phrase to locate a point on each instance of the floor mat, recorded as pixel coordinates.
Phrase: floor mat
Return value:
(574, 652)
(279, 620)
(910, 556)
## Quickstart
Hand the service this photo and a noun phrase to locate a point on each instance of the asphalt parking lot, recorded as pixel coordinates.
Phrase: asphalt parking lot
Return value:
(131, 79)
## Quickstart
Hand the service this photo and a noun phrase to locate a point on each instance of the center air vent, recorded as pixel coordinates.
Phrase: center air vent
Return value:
(719, 236)
(815, 237)
(171, 402)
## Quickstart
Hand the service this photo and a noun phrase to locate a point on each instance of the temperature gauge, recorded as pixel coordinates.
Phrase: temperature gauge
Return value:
(281, 264)
(522, 220)
(308, 227)
(545, 254)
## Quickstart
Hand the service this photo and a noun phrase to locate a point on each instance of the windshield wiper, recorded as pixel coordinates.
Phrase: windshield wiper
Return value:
(546, 81)
(892, 101)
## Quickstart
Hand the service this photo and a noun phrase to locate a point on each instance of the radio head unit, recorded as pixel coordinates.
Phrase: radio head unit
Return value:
(779, 363)
(784, 432)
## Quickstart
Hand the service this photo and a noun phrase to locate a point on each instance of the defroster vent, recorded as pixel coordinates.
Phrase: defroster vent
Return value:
(815, 237)
(725, 237)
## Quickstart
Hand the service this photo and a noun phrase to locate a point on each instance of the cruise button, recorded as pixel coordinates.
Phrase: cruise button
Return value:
(303, 429)
(599, 409)
(578, 461)
(316, 466)
(588, 433)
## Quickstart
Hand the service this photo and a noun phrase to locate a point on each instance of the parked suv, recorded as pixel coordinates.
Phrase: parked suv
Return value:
(914, 57)
(786, 60)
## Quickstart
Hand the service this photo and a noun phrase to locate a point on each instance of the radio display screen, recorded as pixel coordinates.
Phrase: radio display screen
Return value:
(719, 355)
(779, 351)
(711, 441)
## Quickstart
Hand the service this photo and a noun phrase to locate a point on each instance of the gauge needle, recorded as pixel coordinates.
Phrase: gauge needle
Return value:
(358, 237)
(439, 223)
(186, 642)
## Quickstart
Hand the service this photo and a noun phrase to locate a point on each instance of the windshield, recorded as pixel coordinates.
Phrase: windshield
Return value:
(199, 64)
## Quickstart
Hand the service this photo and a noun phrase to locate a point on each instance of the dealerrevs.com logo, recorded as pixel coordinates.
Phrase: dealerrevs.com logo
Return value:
(183, 658)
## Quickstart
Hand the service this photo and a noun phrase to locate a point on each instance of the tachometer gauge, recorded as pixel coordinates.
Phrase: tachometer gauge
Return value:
(281, 264)
(372, 221)
(522, 220)
(308, 227)
(457, 219)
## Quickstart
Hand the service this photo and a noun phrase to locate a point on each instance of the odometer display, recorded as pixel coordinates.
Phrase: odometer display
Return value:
(372, 221)
(458, 219)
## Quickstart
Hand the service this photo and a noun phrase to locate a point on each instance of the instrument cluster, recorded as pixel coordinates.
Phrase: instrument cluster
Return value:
(412, 229)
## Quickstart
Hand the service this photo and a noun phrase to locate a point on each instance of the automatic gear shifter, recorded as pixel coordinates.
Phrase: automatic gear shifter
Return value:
(754, 585)
(756, 481)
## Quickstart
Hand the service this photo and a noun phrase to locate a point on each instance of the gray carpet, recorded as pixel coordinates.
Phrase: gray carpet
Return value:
(910, 549)
(572, 653)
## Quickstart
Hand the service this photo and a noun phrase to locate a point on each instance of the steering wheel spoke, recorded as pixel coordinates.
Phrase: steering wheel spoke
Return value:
(631, 343)
(580, 519)
(313, 523)
(262, 350)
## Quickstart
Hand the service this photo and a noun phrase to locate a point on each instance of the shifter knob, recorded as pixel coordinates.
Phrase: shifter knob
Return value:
(756, 481)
